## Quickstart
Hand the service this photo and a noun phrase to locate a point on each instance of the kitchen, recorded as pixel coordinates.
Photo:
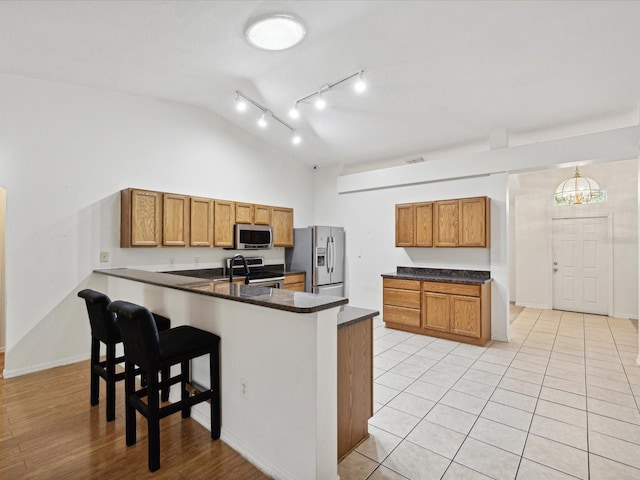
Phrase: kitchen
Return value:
(59, 220)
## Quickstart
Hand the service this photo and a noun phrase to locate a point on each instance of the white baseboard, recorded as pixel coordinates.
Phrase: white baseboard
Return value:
(255, 458)
(43, 366)
(500, 338)
(541, 306)
(624, 315)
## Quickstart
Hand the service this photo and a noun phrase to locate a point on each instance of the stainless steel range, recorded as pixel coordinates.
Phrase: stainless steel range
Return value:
(259, 274)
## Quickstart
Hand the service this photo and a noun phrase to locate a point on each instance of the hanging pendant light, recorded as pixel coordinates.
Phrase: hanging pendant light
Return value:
(577, 190)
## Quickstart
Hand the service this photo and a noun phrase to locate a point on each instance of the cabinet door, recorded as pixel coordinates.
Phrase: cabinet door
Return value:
(175, 220)
(405, 225)
(473, 222)
(435, 311)
(465, 316)
(424, 224)
(282, 223)
(261, 215)
(446, 221)
(201, 222)
(146, 218)
(244, 213)
(224, 216)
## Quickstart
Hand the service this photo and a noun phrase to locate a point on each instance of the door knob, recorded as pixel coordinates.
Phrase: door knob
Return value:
(555, 263)
(555, 270)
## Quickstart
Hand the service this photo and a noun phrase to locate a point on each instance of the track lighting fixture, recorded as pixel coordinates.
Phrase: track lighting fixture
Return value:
(294, 112)
(262, 121)
(241, 104)
(241, 98)
(360, 85)
(320, 102)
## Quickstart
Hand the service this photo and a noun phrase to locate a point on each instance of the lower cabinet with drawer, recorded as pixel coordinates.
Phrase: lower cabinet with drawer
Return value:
(453, 311)
(401, 302)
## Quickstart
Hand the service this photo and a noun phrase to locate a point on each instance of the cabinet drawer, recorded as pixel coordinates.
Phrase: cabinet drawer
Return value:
(296, 287)
(402, 284)
(294, 278)
(405, 316)
(451, 288)
(401, 298)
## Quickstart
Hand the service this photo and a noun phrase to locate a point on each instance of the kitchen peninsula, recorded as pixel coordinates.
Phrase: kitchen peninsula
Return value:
(280, 345)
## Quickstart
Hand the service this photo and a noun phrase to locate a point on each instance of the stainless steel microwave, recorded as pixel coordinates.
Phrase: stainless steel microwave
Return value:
(253, 237)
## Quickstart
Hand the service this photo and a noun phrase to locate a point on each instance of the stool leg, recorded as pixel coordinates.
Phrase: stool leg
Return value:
(185, 376)
(111, 382)
(130, 411)
(214, 369)
(153, 421)
(95, 360)
(164, 375)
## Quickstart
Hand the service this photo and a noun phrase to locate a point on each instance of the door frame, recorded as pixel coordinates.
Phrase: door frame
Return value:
(609, 255)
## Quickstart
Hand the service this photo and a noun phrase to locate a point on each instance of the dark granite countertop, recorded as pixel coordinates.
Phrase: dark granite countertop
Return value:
(349, 315)
(474, 277)
(280, 299)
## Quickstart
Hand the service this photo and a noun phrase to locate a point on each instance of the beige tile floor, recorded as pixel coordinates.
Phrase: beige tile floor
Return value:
(560, 401)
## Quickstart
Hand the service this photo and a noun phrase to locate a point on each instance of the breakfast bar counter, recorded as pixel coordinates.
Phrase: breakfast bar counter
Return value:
(278, 365)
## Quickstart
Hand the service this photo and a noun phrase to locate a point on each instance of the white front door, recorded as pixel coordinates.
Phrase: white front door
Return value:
(581, 265)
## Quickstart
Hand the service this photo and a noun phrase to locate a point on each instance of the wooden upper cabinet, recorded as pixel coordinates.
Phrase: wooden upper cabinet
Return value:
(224, 217)
(244, 213)
(424, 224)
(405, 225)
(474, 222)
(201, 222)
(175, 220)
(282, 223)
(261, 215)
(446, 223)
(140, 218)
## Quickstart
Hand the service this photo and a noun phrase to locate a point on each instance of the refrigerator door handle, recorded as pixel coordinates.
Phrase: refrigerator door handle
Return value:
(333, 254)
(328, 254)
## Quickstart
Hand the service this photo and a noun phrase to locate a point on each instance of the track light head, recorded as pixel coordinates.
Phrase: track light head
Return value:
(241, 104)
(360, 85)
(294, 112)
(320, 103)
(262, 121)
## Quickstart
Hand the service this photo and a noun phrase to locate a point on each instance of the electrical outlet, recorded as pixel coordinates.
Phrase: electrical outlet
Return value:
(196, 260)
(104, 257)
(244, 388)
(172, 261)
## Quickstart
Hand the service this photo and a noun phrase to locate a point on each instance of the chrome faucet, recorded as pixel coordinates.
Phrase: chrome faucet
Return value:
(232, 263)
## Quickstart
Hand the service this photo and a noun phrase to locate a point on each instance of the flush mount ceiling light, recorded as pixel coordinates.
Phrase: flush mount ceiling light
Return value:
(275, 32)
(320, 101)
(241, 98)
(577, 190)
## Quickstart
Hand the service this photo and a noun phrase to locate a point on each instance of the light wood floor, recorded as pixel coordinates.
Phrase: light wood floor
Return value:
(48, 430)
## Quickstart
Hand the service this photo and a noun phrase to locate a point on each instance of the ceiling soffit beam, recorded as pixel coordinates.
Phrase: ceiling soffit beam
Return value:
(606, 146)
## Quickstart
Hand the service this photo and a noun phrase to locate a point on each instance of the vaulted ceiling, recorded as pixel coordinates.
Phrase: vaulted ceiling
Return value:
(440, 74)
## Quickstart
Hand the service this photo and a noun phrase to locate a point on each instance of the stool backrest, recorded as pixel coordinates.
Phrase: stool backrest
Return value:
(139, 334)
(103, 322)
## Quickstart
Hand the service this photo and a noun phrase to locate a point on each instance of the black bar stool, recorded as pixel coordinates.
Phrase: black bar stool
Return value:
(153, 351)
(104, 328)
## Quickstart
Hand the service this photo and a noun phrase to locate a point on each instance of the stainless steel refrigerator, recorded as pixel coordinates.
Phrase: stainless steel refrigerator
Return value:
(319, 252)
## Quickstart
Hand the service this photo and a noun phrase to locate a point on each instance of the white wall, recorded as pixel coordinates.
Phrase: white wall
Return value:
(533, 213)
(369, 219)
(65, 152)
